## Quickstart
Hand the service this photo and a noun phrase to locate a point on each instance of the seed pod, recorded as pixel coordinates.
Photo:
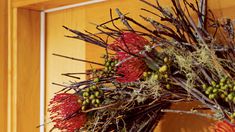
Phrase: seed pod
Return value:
(233, 115)
(207, 92)
(230, 96)
(97, 101)
(101, 72)
(97, 94)
(221, 84)
(212, 96)
(224, 87)
(93, 101)
(213, 83)
(106, 69)
(109, 68)
(93, 87)
(234, 100)
(85, 94)
(210, 89)
(112, 64)
(116, 61)
(107, 63)
(233, 88)
(226, 99)
(215, 91)
(87, 90)
(84, 103)
(145, 74)
(166, 76)
(156, 77)
(222, 80)
(204, 86)
(92, 96)
(101, 92)
(222, 96)
(96, 80)
(166, 60)
(83, 108)
(168, 86)
(163, 69)
(87, 101)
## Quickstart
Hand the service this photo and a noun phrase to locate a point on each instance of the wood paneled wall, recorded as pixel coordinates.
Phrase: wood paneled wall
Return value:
(24, 57)
(3, 65)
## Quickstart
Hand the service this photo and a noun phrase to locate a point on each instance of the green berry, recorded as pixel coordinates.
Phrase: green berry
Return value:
(221, 84)
(204, 86)
(222, 96)
(145, 74)
(97, 101)
(212, 96)
(107, 63)
(101, 92)
(106, 69)
(226, 99)
(93, 101)
(166, 60)
(230, 96)
(233, 88)
(93, 87)
(163, 68)
(87, 101)
(222, 80)
(97, 94)
(234, 100)
(168, 86)
(88, 90)
(109, 68)
(84, 103)
(209, 90)
(215, 91)
(213, 83)
(85, 94)
(166, 76)
(83, 108)
(112, 64)
(92, 96)
(96, 80)
(156, 77)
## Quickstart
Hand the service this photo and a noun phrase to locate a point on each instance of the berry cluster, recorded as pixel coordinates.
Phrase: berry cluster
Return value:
(224, 89)
(92, 96)
(161, 74)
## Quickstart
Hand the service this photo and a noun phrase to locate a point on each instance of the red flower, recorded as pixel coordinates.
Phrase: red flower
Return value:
(131, 69)
(223, 126)
(65, 112)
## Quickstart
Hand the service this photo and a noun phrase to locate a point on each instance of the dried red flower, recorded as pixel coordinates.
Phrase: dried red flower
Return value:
(65, 112)
(130, 43)
(223, 126)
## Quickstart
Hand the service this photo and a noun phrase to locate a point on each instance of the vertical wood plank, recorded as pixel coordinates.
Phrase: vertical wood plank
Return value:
(28, 70)
(3, 65)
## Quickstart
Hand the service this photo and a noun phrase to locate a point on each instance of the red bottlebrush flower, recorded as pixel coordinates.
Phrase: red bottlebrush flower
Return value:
(131, 69)
(65, 112)
(223, 126)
